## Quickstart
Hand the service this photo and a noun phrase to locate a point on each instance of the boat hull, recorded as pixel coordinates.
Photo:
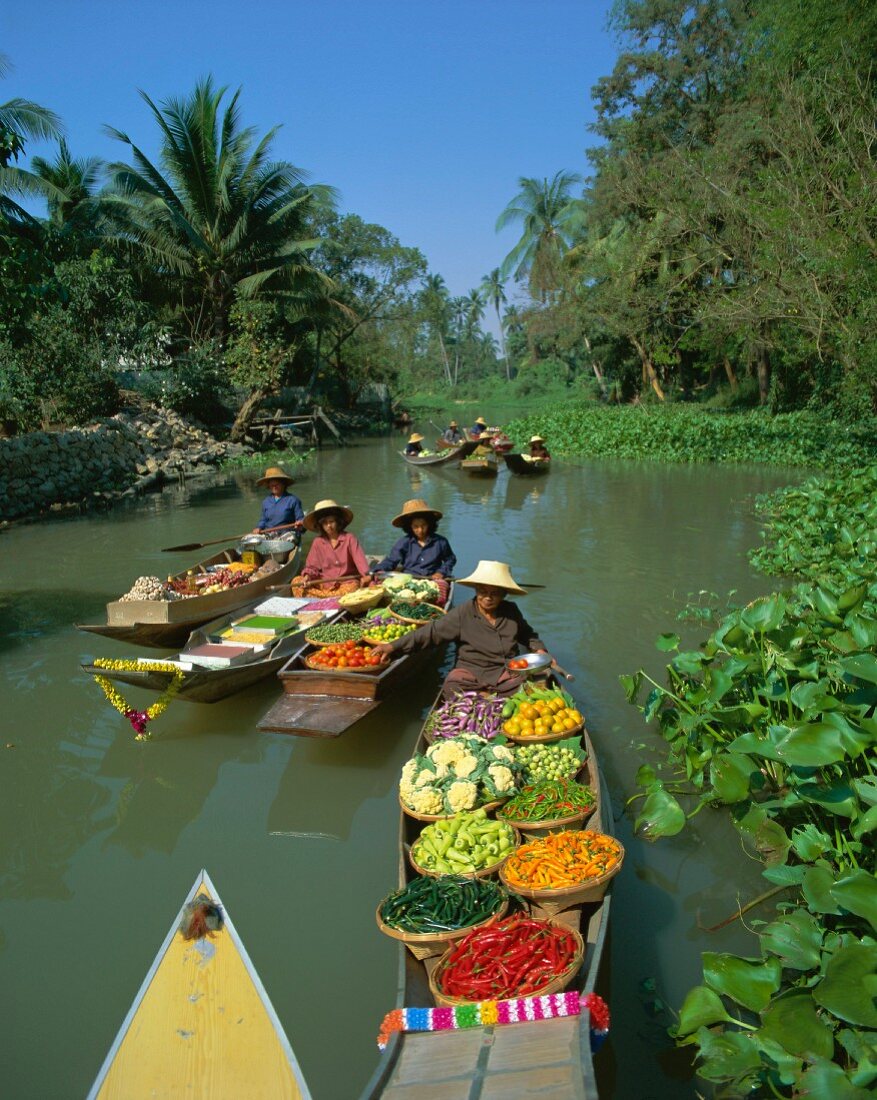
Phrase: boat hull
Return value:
(481, 467)
(517, 464)
(439, 459)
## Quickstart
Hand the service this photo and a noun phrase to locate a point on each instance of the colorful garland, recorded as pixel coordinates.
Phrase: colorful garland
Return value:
(485, 1013)
(139, 718)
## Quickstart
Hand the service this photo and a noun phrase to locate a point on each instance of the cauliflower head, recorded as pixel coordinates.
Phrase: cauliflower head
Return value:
(445, 752)
(500, 752)
(465, 765)
(461, 795)
(426, 800)
(502, 777)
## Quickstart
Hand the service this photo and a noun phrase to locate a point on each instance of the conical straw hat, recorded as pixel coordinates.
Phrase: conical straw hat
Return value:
(322, 506)
(416, 437)
(481, 420)
(413, 508)
(536, 439)
(275, 473)
(496, 573)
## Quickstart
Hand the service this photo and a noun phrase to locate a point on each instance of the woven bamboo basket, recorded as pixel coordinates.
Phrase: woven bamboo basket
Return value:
(556, 985)
(426, 945)
(564, 897)
(369, 670)
(362, 600)
(487, 806)
(545, 738)
(419, 622)
(322, 645)
(531, 829)
(483, 872)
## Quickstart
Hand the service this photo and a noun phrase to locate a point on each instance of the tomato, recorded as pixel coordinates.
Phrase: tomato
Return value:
(342, 662)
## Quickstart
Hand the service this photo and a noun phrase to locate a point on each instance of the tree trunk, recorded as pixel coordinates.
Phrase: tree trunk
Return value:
(598, 372)
(312, 381)
(763, 369)
(445, 358)
(505, 354)
(732, 377)
(247, 413)
(649, 374)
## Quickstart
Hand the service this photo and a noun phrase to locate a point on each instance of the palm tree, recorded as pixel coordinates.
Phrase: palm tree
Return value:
(434, 298)
(72, 202)
(21, 120)
(493, 288)
(217, 216)
(551, 218)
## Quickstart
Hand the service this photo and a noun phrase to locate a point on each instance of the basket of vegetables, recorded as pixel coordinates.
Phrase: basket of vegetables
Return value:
(549, 806)
(518, 956)
(570, 867)
(409, 589)
(536, 715)
(469, 844)
(418, 613)
(362, 599)
(346, 657)
(429, 912)
(455, 776)
(468, 712)
(333, 634)
(385, 630)
(561, 760)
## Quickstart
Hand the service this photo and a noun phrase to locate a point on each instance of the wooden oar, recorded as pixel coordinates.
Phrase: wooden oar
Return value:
(228, 538)
(566, 675)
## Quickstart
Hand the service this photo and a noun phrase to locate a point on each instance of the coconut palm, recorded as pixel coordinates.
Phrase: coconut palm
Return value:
(493, 287)
(434, 299)
(551, 217)
(217, 216)
(72, 199)
(20, 121)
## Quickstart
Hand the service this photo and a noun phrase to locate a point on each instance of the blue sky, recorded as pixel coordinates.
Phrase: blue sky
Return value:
(423, 114)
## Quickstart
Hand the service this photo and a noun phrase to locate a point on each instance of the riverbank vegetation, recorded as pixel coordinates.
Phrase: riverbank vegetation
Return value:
(773, 718)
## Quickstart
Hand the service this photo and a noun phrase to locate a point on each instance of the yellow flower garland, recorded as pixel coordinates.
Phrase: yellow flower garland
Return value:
(139, 718)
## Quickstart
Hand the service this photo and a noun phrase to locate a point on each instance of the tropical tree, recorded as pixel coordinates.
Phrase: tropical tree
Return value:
(216, 215)
(72, 199)
(437, 309)
(493, 287)
(21, 120)
(551, 217)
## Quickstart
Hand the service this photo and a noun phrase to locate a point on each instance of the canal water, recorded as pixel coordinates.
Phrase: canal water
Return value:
(101, 837)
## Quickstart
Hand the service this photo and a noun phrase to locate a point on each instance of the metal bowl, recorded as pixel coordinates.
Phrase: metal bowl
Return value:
(536, 663)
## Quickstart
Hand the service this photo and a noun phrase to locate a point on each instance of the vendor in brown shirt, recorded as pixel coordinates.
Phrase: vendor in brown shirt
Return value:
(489, 631)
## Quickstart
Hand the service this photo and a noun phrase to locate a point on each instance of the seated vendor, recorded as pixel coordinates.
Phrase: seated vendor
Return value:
(489, 631)
(420, 552)
(335, 552)
(538, 450)
(415, 444)
(478, 428)
(280, 508)
(452, 435)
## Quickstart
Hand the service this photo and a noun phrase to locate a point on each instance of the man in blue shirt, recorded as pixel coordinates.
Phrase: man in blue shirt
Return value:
(452, 434)
(478, 428)
(281, 508)
(420, 552)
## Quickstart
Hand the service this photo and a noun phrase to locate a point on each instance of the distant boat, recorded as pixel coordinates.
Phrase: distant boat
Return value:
(458, 451)
(486, 465)
(202, 1024)
(518, 464)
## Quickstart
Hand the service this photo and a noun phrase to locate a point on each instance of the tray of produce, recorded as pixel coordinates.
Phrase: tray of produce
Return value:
(434, 910)
(560, 760)
(388, 632)
(402, 586)
(455, 776)
(363, 599)
(418, 613)
(541, 715)
(549, 805)
(575, 865)
(467, 712)
(299, 586)
(346, 657)
(333, 633)
(530, 664)
(469, 844)
(546, 956)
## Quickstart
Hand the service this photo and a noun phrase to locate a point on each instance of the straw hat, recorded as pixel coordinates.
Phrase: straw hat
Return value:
(416, 437)
(536, 439)
(412, 508)
(481, 420)
(320, 509)
(453, 424)
(495, 573)
(275, 473)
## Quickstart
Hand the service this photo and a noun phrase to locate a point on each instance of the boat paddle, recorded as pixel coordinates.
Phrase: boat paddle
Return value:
(228, 538)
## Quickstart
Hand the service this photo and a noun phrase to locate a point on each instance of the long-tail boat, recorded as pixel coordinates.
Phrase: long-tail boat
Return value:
(525, 466)
(166, 624)
(441, 456)
(515, 1061)
(202, 1024)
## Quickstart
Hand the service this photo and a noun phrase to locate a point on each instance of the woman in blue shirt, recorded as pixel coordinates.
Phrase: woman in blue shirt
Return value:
(420, 552)
(281, 508)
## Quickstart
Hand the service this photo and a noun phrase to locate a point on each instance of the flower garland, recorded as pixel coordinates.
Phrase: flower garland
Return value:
(485, 1013)
(139, 718)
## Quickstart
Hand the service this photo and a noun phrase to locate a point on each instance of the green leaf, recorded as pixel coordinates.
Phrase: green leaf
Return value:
(816, 888)
(866, 789)
(827, 1081)
(857, 892)
(726, 1055)
(689, 663)
(814, 744)
(771, 841)
(631, 685)
(764, 614)
(667, 642)
(792, 1021)
(853, 597)
(781, 874)
(700, 1008)
(862, 666)
(795, 938)
(826, 605)
(749, 982)
(809, 842)
(865, 824)
(661, 815)
(730, 776)
(836, 797)
(849, 988)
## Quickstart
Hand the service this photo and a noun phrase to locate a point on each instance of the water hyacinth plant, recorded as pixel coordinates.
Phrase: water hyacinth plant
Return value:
(774, 718)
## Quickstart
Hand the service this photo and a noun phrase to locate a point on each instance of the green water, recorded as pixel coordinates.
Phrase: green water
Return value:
(101, 837)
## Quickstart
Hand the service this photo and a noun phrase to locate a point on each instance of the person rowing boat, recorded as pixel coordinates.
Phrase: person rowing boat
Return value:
(421, 551)
(414, 446)
(280, 508)
(335, 552)
(489, 631)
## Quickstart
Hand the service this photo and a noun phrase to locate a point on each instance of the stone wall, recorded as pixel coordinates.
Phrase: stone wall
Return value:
(44, 471)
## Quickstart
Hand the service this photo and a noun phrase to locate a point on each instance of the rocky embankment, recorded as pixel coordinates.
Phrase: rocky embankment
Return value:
(87, 467)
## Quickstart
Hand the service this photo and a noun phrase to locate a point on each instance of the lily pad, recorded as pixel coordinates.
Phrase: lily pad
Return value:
(749, 982)
(793, 1022)
(849, 988)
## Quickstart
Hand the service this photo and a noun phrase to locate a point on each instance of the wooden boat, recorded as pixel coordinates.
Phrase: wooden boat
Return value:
(161, 624)
(201, 1025)
(203, 684)
(481, 465)
(519, 465)
(513, 1062)
(328, 702)
(460, 451)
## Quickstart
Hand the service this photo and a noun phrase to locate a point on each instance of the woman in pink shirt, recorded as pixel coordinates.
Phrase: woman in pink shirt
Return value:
(334, 552)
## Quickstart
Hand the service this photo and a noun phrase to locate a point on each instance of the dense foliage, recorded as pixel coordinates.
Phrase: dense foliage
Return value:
(774, 718)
